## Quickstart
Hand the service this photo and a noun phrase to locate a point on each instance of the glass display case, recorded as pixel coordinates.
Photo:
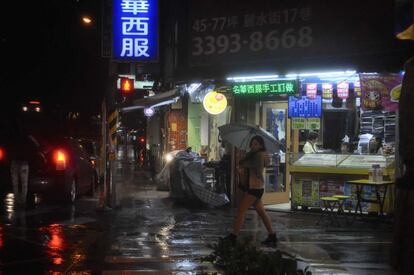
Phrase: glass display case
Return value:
(326, 160)
(341, 160)
(318, 175)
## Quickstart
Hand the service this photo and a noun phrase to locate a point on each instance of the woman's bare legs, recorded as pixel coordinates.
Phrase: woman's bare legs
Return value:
(247, 201)
(265, 218)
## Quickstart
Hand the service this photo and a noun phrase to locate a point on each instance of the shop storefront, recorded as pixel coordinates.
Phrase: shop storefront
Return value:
(233, 39)
(207, 110)
(263, 101)
(353, 108)
(339, 107)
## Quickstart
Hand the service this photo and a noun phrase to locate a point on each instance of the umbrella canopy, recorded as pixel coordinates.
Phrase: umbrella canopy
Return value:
(239, 135)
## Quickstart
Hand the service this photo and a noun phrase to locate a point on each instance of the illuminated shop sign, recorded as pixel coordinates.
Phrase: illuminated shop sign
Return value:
(214, 103)
(277, 87)
(305, 107)
(135, 30)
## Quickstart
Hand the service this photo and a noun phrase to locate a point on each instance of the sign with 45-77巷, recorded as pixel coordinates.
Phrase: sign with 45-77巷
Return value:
(135, 30)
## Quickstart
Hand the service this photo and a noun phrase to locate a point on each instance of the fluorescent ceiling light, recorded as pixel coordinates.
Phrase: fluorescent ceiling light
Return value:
(193, 87)
(171, 101)
(324, 74)
(253, 78)
(138, 107)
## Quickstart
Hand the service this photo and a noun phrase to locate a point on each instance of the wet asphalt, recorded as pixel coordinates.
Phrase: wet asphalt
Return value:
(146, 232)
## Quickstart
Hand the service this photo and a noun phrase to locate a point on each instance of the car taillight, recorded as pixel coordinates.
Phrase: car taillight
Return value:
(2, 154)
(60, 158)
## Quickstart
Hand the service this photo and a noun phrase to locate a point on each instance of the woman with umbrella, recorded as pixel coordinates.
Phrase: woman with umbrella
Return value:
(254, 163)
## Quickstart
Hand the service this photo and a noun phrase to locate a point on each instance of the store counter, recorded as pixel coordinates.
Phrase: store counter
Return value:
(323, 175)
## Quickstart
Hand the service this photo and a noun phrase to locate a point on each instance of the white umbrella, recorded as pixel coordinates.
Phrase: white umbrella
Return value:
(239, 135)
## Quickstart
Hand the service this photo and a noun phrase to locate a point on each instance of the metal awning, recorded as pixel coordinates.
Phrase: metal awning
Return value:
(157, 100)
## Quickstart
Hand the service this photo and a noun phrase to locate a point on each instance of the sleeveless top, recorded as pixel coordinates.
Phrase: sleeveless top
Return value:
(255, 162)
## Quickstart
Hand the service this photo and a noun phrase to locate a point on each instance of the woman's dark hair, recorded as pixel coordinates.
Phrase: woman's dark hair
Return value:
(260, 140)
(312, 136)
(378, 141)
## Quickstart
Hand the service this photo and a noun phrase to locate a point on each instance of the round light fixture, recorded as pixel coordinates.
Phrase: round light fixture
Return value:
(149, 112)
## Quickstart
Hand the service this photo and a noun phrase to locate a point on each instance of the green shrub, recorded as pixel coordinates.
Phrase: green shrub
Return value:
(245, 258)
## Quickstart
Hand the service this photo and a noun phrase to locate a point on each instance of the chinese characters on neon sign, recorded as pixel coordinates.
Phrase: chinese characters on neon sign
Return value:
(135, 30)
(266, 88)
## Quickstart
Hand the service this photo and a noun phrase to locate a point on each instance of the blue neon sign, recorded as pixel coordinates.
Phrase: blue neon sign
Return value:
(135, 30)
(304, 107)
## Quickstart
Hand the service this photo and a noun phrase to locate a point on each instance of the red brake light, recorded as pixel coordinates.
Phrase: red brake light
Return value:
(60, 158)
(2, 153)
(141, 139)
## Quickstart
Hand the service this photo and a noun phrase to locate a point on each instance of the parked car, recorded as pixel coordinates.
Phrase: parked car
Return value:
(60, 168)
(4, 170)
(91, 147)
(67, 170)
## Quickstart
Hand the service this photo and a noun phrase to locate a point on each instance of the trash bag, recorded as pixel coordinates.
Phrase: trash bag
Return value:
(196, 179)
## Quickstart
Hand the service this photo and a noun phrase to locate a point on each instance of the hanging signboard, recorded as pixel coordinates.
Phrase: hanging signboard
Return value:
(311, 90)
(265, 88)
(304, 107)
(327, 90)
(135, 30)
(342, 88)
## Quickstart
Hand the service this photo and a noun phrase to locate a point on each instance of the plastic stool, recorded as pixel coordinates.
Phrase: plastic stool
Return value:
(329, 204)
(342, 199)
(341, 204)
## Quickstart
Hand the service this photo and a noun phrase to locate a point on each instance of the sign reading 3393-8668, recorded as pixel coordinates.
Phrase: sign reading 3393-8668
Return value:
(257, 31)
(254, 40)
(135, 30)
(240, 31)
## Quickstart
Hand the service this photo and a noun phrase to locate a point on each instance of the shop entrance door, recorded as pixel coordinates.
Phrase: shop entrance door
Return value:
(277, 185)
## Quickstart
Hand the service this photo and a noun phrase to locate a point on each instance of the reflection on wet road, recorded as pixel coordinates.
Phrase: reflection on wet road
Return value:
(150, 233)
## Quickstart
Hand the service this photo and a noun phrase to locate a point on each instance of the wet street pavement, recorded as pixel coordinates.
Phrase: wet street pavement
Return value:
(149, 233)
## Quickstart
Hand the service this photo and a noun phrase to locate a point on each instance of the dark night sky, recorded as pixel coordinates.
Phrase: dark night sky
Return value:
(47, 53)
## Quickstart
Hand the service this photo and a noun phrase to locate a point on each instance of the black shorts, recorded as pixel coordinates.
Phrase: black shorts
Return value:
(258, 193)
